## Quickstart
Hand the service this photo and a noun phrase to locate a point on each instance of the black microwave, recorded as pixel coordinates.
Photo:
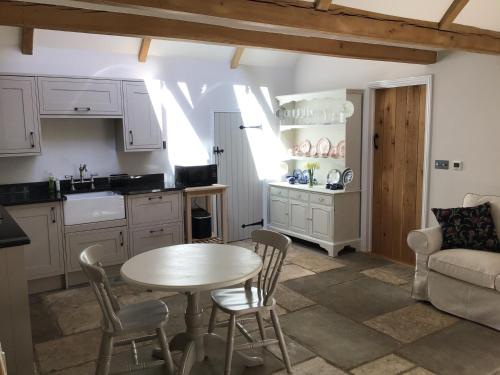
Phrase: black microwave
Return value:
(197, 175)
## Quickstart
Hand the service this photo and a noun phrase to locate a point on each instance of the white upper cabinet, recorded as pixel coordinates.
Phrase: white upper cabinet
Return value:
(19, 121)
(79, 97)
(142, 118)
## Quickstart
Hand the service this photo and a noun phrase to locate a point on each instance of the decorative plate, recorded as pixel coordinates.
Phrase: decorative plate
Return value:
(323, 147)
(348, 108)
(341, 149)
(305, 146)
(334, 176)
(296, 150)
(313, 152)
(347, 176)
(333, 152)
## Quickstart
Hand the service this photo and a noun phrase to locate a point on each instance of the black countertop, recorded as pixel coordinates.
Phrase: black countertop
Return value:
(11, 234)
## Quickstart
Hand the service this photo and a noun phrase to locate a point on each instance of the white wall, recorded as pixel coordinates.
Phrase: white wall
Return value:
(466, 113)
(189, 133)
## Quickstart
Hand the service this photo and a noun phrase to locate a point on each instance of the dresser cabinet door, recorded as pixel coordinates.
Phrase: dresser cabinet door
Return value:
(19, 121)
(141, 122)
(278, 212)
(112, 240)
(79, 97)
(42, 224)
(299, 216)
(144, 239)
(321, 221)
(155, 208)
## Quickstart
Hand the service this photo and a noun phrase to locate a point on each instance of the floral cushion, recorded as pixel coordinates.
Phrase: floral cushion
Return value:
(468, 228)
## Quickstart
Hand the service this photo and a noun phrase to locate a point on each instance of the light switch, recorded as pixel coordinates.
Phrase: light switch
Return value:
(441, 164)
(457, 165)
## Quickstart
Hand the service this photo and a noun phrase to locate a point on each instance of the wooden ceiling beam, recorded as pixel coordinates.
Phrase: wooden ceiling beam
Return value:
(71, 19)
(322, 4)
(235, 61)
(452, 13)
(144, 49)
(27, 35)
(302, 18)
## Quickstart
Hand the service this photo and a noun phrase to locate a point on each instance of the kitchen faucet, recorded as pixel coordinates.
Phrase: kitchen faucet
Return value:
(82, 169)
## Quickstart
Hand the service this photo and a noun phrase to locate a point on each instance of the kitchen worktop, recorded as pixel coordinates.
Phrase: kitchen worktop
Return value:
(11, 234)
(315, 189)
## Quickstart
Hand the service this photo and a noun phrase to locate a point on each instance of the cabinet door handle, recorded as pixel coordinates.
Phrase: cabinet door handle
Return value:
(375, 141)
(53, 214)
(32, 139)
(82, 109)
(158, 197)
(156, 231)
(121, 239)
(131, 137)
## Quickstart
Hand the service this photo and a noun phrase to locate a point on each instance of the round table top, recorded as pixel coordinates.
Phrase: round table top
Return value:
(191, 267)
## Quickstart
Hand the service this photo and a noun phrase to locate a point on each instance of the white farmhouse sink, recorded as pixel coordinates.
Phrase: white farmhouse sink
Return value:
(93, 207)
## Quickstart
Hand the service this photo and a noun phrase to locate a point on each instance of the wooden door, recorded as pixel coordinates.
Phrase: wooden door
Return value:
(19, 122)
(141, 124)
(237, 169)
(398, 169)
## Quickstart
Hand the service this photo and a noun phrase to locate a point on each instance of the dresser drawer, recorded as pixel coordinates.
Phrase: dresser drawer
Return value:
(156, 236)
(299, 195)
(153, 208)
(280, 192)
(79, 97)
(327, 200)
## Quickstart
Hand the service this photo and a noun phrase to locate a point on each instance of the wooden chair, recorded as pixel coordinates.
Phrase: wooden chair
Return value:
(3, 363)
(120, 320)
(249, 300)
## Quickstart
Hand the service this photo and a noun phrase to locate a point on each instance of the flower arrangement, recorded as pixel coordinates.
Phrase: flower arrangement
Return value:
(311, 166)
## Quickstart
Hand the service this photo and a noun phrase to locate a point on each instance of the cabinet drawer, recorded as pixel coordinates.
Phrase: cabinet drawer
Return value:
(112, 240)
(299, 195)
(322, 199)
(154, 208)
(280, 192)
(79, 97)
(145, 239)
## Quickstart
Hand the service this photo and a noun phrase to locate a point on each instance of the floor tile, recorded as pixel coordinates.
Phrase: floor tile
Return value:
(315, 366)
(69, 351)
(315, 262)
(144, 296)
(86, 369)
(419, 371)
(362, 299)
(74, 318)
(321, 281)
(389, 365)
(290, 299)
(43, 324)
(336, 338)
(296, 352)
(463, 348)
(412, 322)
(292, 271)
(361, 261)
(382, 274)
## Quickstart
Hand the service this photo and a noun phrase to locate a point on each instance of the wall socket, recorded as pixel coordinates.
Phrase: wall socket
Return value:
(457, 165)
(441, 164)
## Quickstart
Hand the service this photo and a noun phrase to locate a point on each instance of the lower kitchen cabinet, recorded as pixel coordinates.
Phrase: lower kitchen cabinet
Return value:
(43, 225)
(321, 221)
(299, 216)
(278, 211)
(144, 239)
(112, 240)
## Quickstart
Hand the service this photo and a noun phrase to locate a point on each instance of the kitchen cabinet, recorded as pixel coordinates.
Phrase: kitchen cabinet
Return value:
(79, 97)
(19, 120)
(328, 218)
(43, 225)
(142, 118)
(113, 241)
(144, 239)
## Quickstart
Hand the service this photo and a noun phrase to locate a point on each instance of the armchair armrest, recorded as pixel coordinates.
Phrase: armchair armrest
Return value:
(425, 241)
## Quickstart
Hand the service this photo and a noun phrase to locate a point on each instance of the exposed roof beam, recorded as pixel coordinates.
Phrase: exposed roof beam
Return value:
(144, 49)
(71, 19)
(452, 13)
(27, 40)
(301, 17)
(323, 4)
(235, 61)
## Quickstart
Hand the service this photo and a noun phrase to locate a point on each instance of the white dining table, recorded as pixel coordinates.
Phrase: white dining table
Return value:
(192, 269)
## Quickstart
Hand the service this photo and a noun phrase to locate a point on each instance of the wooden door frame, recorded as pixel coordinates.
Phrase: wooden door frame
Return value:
(368, 151)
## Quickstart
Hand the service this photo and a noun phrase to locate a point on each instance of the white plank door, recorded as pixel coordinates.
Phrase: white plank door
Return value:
(236, 168)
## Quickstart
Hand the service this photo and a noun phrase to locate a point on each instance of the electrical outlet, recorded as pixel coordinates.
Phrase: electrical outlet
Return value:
(457, 165)
(441, 164)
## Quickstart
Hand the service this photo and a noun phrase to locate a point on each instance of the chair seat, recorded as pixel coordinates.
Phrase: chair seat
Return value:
(240, 300)
(143, 315)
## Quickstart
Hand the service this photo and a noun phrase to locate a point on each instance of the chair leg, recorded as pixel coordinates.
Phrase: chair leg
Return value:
(260, 322)
(230, 344)
(167, 356)
(281, 340)
(105, 353)
(213, 319)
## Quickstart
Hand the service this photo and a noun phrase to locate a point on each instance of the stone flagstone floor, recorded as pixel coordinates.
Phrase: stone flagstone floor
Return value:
(348, 315)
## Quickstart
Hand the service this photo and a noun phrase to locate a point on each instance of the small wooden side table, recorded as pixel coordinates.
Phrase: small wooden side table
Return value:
(207, 192)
